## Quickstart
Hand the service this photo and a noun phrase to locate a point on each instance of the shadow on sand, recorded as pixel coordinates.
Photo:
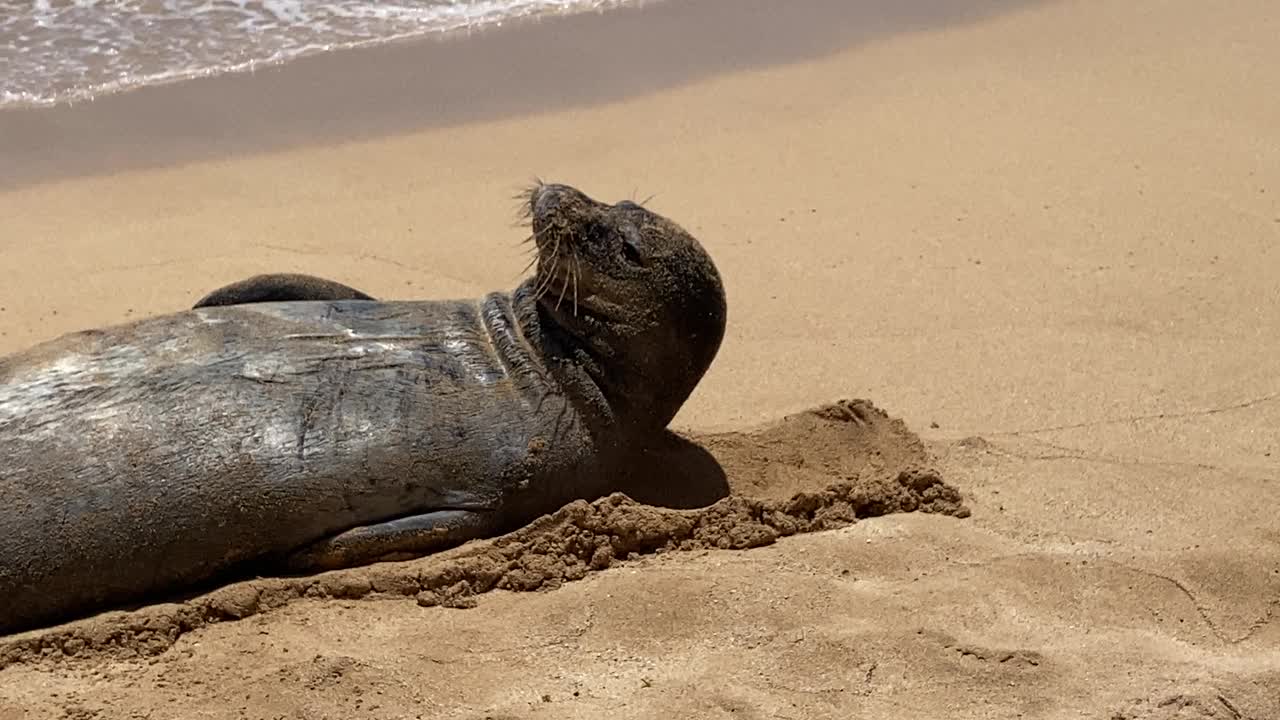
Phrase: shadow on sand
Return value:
(675, 473)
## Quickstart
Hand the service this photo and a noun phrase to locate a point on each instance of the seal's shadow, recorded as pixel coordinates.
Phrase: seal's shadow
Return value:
(673, 472)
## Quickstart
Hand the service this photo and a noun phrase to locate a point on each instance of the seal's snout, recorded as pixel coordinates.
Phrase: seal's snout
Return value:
(547, 198)
(541, 200)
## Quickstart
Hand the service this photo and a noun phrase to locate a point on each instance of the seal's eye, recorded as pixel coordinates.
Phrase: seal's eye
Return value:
(631, 249)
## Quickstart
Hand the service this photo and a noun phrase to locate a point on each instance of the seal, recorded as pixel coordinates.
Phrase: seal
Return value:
(168, 454)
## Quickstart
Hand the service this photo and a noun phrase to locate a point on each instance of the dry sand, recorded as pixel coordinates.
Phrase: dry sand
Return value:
(1044, 235)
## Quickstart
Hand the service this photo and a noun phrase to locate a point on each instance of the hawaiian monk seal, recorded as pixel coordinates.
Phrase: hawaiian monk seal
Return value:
(165, 454)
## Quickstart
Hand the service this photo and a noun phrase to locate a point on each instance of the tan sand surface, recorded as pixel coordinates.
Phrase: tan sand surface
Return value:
(1046, 237)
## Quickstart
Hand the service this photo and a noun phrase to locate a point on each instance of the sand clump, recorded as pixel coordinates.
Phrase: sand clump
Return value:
(817, 470)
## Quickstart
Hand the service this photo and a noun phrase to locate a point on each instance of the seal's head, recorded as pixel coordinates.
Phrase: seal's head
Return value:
(628, 295)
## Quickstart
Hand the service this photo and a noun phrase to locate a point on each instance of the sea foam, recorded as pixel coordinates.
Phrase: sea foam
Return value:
(53, 52)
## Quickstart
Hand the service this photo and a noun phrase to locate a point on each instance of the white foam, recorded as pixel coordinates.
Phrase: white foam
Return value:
(74, 52)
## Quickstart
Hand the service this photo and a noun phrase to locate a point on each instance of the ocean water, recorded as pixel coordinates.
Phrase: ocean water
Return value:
(54, 51)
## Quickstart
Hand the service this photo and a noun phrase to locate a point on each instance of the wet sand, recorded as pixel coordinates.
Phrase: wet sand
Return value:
(1046, 237)
(517, 69)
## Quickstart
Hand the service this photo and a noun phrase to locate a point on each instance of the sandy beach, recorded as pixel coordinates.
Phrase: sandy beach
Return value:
(1042, 237)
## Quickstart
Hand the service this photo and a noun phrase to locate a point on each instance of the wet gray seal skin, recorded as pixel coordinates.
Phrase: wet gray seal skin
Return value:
(279, 287)
(166, 454)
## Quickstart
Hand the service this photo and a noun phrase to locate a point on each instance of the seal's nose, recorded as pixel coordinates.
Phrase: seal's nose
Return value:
(546, 198)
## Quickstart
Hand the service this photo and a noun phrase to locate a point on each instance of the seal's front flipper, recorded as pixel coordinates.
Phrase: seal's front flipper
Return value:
(279, 287)
(410, 536)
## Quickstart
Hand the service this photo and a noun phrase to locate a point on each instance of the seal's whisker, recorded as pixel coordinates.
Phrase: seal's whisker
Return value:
(541, 287)
(555, 264)
(564, 286)
(530, 241)
(524, 210)
(544, 283)
(528, 267)
(532, 249)
(527, 191)
(533, 236)
(575, 284)
(553, 278)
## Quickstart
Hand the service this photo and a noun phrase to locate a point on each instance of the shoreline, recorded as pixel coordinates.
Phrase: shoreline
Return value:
(382, 90)
(79, 95)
